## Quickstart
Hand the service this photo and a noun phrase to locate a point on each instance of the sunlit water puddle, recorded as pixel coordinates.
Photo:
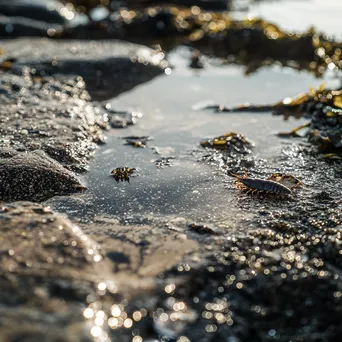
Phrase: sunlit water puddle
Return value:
(188, 188)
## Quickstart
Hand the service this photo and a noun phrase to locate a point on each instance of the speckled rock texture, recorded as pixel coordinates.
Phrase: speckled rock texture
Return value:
(34, 176)
(47, 270)
(108, 68)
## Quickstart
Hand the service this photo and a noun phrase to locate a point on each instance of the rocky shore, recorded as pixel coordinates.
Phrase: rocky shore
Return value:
(277, 277)
(51, 122)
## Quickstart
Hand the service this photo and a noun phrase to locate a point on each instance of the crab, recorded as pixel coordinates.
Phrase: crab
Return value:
(122, 173)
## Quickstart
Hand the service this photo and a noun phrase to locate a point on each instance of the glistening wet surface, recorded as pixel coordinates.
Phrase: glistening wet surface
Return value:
(174, 118)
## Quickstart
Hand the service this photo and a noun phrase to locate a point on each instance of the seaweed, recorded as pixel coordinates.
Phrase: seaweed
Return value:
(252, 42)
(322, 106)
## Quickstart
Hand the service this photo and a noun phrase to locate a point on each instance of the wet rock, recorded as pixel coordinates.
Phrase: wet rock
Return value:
(48, 267)
(36, 240)
(138, 251)
(107, 68)
(51, 115)
(11, 27)
(123, 118)
(36, 177)
(45, 11)
(7, 152)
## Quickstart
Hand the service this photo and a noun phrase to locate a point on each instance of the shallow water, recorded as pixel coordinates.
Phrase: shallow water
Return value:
(188, 188)
(167, 103)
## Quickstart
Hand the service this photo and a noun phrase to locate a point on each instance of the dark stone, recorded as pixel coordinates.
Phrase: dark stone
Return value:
(46, 11)
(11, 27)
(108, 67)
(34, 176)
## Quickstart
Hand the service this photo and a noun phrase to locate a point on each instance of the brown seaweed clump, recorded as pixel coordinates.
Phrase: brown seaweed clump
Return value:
(323, 107)
(230, 142)
(252, 42)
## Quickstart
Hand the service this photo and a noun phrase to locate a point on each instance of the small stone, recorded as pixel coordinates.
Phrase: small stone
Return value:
(35, 176)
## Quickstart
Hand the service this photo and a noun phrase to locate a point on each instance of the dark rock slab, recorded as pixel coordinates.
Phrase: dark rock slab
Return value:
(107, 67)
(35, 176)
(36, 240)
(45, 11)
(57, 283)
